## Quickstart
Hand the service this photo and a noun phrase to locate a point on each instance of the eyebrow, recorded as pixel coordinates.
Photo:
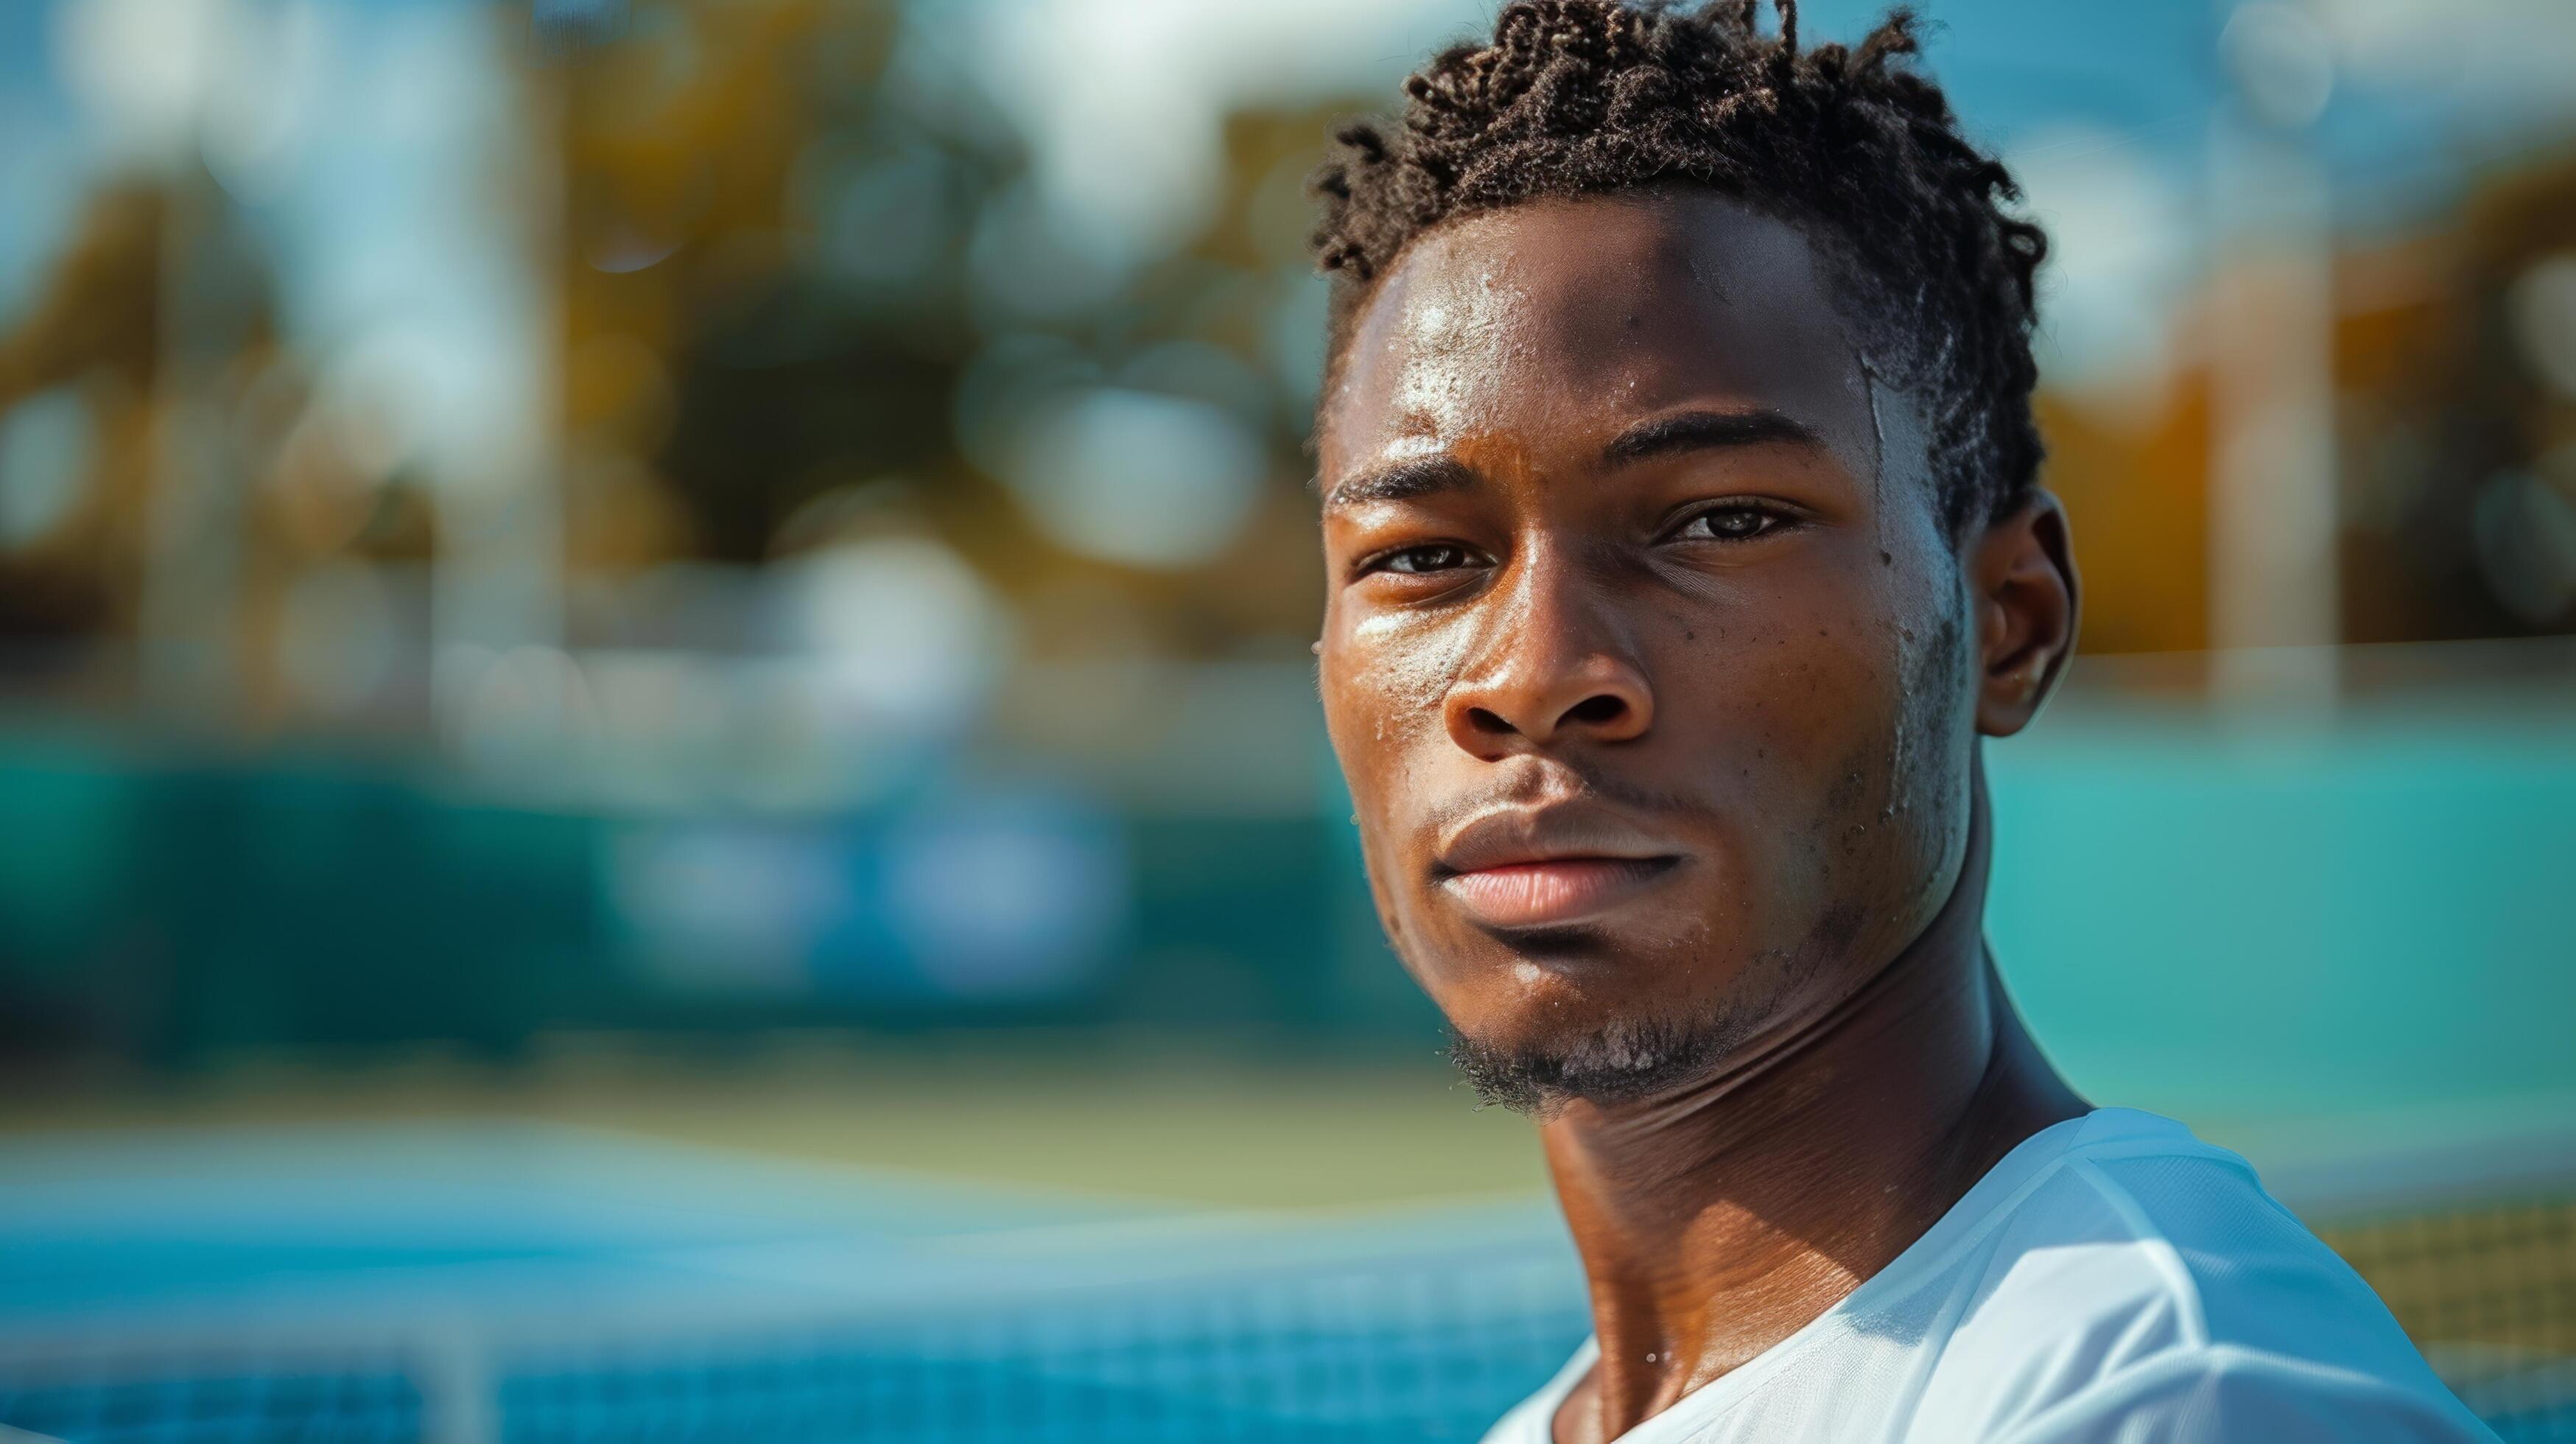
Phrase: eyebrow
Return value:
(1402, 481)
(1705, 430)
(1662, 436)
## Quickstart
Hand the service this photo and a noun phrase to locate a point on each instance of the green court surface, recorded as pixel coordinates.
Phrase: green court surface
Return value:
(1129, 1123)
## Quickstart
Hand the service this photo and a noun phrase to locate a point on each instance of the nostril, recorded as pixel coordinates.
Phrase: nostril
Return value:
(1485, 719)
(1596, 710)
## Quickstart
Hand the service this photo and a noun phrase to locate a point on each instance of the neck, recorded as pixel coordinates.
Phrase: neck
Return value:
(1717, 1220)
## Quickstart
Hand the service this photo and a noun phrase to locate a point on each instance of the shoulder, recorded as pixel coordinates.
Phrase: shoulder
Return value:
(2146, 1280)
(2227, 1392)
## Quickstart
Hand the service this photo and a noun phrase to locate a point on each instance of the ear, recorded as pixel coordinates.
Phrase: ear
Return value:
(2021, 579)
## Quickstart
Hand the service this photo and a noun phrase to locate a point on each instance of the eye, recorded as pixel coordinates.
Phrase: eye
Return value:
(1421, 560)
(1732, 521)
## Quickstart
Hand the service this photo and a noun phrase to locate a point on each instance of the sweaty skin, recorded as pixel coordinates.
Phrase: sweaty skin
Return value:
(1657, 680)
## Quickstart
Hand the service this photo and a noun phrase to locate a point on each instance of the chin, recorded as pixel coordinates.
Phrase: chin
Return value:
(1623, 1060)
(1559, 1015)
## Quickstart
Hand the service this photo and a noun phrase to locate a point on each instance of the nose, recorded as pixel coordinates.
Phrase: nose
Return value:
(1553, 671)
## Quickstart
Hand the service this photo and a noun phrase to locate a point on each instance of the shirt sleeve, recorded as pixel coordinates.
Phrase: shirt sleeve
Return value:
(2223, 1394)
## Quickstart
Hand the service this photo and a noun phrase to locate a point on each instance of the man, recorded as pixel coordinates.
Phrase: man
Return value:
(1683, 543)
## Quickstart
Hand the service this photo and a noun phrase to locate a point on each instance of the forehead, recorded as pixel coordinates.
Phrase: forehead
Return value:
(1559, 319)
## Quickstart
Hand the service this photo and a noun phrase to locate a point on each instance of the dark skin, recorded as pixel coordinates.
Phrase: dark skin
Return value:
(1658, 682)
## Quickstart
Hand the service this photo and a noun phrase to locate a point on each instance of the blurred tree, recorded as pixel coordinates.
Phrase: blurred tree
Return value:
(763, 298)
(94, 334)
(786, 223)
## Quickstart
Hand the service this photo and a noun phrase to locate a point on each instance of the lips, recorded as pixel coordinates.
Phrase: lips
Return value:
(1563, 890)
(1521, 868)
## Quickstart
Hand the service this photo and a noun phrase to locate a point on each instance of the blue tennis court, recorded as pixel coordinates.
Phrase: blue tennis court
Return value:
(477, 1282)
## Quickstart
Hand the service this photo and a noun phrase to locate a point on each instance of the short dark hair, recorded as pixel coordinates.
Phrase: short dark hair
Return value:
(1855, 145)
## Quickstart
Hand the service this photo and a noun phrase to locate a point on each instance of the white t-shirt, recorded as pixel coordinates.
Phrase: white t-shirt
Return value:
(2113, 1278)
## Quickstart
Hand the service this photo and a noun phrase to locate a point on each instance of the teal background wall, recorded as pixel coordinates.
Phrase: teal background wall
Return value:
(2366, 913)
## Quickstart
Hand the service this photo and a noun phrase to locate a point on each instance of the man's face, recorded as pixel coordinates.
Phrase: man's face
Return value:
(1645, 649)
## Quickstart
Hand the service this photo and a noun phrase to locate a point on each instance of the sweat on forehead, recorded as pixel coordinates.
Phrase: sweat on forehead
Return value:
(1569, 319)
